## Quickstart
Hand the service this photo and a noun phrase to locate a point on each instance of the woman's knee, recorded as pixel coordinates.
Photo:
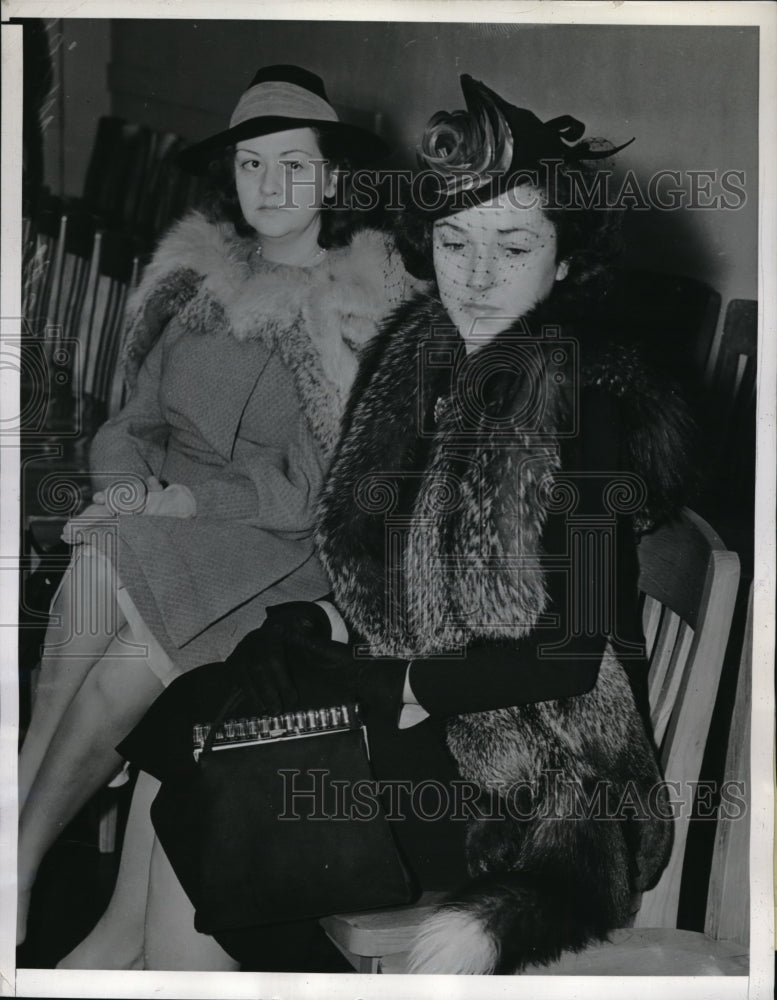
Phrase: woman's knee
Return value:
(120, 685)
(85, 617)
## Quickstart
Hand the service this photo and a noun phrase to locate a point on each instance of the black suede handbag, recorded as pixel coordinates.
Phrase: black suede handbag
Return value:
(287, 821)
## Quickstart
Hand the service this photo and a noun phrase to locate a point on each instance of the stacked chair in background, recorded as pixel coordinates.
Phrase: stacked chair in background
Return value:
(81, 258)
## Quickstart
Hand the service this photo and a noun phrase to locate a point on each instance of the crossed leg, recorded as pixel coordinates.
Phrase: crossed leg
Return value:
(117, 940)
(80, 757)
(84, 620)
(171, 942)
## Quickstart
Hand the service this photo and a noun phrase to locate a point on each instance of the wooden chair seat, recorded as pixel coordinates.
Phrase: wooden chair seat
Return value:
(635, 951)
(364, 937)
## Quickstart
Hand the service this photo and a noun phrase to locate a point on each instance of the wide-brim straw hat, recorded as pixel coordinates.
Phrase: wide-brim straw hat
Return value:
(281, 98)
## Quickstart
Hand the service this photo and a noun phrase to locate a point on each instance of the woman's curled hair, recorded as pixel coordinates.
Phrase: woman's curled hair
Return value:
(339, 220)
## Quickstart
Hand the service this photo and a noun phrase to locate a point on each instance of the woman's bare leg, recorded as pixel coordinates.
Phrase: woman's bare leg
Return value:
(116, 942)
(171, 941)
(81, 757)
(85, 620)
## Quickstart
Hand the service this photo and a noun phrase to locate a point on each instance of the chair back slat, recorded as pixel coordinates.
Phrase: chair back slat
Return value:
(651, 619)
(113, 268)
(85, 331)
(660, 650)
(666, 697)
(38, 260)
(728, 897)
(54, 276)
(71, 266)
(682, 706)
(673, 566)
(110, 341)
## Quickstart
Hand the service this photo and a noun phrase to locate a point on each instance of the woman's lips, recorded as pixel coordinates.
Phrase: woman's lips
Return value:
(480, 307)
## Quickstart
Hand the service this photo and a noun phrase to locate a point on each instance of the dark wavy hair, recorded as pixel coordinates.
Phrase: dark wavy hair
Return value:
(339, 222)
(588, 236)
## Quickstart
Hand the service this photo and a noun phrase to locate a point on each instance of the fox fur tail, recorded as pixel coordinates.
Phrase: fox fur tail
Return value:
(499, 923)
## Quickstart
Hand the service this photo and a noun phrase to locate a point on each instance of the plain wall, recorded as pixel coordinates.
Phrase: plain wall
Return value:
(689, 95)
(80, 54)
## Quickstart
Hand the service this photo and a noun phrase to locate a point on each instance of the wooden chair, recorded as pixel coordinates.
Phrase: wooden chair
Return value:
(42, 236)
(114, 271)
(70, 271)
(689, 581)
(723, 947)
(86, 299)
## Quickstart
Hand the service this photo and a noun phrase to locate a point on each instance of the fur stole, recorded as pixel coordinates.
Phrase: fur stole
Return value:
(430, 530)
(463, 472)
(205, 276)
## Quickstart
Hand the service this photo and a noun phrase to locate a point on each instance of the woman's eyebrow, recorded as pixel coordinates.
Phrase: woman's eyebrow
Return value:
(517, 229)
(452, 225)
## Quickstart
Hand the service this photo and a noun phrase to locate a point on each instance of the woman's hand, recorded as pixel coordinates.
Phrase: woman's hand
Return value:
(175, 500)
(138, 502)
(75, 526)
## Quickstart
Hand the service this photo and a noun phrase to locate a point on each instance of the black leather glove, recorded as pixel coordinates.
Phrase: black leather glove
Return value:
(302, 617)
(262, 657)
(292, 663)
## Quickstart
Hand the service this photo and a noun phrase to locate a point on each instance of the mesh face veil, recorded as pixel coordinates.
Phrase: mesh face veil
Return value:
(494, 262)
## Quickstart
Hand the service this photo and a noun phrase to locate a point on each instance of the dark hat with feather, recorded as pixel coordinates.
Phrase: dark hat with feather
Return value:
(469, 156)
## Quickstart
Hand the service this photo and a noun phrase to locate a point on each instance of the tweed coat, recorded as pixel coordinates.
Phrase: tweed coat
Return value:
(239, 372)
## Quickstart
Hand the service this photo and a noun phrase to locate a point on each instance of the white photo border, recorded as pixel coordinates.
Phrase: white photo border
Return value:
(50, 983)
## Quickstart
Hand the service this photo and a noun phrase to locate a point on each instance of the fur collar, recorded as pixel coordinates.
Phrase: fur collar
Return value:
(319, 318)
(461, 483)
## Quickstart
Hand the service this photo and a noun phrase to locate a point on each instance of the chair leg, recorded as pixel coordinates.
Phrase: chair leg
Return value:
(109, 813)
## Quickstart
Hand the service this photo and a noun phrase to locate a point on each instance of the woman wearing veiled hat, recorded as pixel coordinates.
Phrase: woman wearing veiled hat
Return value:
(479, 527)
(241, 348)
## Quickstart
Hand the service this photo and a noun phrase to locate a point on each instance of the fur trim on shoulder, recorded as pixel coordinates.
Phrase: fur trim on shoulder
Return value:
(206, 248)
(195, 255)
(206, 277)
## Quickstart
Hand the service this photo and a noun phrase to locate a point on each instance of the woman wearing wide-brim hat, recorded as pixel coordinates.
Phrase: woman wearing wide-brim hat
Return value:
(241, 345)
